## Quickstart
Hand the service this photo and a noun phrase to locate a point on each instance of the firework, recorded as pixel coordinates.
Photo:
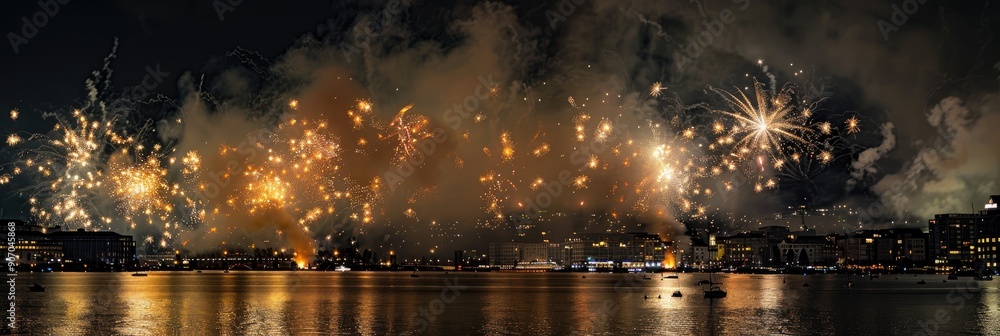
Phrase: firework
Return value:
(852, 125)
(13, 140)
(656, 89)
(769, 125)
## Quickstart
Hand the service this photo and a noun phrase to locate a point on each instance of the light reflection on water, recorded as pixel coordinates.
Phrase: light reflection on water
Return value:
(366, 303)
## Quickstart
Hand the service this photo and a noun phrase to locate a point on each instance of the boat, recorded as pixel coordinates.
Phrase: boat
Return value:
(705, 282)
(921, 282)
(714, 292)
(140, 274)
(414, 275)
(677, 294)
(952, 277)
(225, 271)
(673, 276)
(342, 268)
(36, 288)
(984, 277)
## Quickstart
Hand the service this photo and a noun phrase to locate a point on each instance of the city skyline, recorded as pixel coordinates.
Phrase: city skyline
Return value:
(500, 167)
(325, 138)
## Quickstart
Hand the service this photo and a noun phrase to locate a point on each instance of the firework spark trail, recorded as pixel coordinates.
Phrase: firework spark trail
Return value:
(311, 169)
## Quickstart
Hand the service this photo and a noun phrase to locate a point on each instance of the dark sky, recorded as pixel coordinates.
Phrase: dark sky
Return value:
(933, 77)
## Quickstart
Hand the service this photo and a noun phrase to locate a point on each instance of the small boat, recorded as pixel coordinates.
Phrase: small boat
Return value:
(414, 275)
(677, 294)
(705, 282)
(583, 277)
(646, 278)
(140, 274)
(199, 271)
(986, 277)
(850, 284)
(36, 288)
(225, 271)
(342, 268)
(921, 282)
(952, 277)
(714, 292)
(805, 285)
(672, 277)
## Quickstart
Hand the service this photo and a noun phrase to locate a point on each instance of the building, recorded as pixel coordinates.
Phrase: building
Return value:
(988, 235)
(534, 252)
(808, 251)
(38, 245)
(32, 246)
(885, 248)
(745, 249)
(700, 256)
(504, 255)
(103, 247)
(952, 241)
(585, 251)
(636, 250)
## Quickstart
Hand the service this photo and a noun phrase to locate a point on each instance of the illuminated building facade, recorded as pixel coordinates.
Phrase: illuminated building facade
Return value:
(988, 236)
(952, 241)
(96, 247)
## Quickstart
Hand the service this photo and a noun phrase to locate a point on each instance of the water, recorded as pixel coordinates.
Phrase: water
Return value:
(363, 303)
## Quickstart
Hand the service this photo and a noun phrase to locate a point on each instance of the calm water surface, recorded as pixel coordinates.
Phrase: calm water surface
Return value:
(364, 303)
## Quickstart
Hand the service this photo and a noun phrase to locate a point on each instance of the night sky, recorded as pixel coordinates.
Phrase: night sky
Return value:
(920, 78)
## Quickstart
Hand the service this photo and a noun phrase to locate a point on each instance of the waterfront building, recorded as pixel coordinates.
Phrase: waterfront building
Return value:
(96, 247)
(808, 251)
(32, 246)
(988, 235)
(504, 255)
(585, 251)
(745, 249)
(952, 241)
(885, 248)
